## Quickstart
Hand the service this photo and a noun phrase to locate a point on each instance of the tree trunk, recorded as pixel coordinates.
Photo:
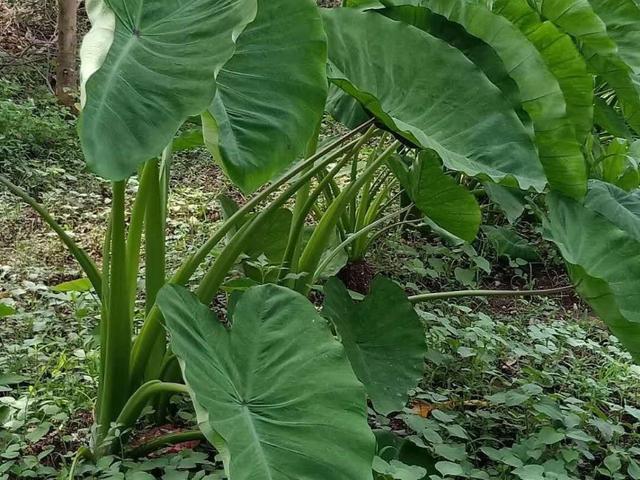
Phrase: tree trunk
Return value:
(66, 73)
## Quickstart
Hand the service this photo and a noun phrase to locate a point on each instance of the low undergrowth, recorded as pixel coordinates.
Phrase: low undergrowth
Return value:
(38, 143)
(533, 392)
(515, 390)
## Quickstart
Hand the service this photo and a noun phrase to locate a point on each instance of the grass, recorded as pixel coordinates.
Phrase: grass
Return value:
(38, 142)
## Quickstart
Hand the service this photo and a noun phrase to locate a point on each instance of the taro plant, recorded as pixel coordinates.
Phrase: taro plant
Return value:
(546, 59)
(459, 92)
(141, 63)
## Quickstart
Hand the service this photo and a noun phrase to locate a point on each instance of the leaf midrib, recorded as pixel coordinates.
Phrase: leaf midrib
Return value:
(248, 414)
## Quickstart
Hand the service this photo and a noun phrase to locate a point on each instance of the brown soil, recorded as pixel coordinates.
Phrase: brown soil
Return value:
(155, 432)
(357, 276)
(77, 428)
(543, 278)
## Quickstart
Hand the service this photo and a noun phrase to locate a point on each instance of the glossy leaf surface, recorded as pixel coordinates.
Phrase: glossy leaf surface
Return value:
(561, 57)
(541, 93)
(149, 67)
(600, 243)
(440, 197)
(275, 393)
(431, 94)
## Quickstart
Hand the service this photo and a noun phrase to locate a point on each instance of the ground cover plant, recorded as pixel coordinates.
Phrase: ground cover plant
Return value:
(458, 113)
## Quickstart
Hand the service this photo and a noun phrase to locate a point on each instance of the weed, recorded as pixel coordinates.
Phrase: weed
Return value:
(38, 143)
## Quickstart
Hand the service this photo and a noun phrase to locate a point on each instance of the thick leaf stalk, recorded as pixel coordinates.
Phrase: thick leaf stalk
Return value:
(303, 208)
(312, 253)
(115, 388)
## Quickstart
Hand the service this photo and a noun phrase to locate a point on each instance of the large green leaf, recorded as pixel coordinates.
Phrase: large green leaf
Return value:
(96, 43)
(345, 109)
(430, 94)
(561, 57)
(149, 66)
(383, 337)
(276, 392)
(626, 84)
(619, 207)
(391, 447)
(617, 162)
(607, 117)
(578, 19)
(510, 200)
(479, 52)
(621, 68)
(271, 94)
(622, 18)
(440, 197)
(603, 253)
(605, 303)
(541, 93)
(268, 244)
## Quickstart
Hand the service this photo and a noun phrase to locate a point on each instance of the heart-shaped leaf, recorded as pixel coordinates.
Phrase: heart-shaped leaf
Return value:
(393, 448)
(147, 67)
(479, 52)
(507, 243)
(268, 246)
(276, 392)
(383, 337)
(397, 470)
(510, 200)
(540, 90)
